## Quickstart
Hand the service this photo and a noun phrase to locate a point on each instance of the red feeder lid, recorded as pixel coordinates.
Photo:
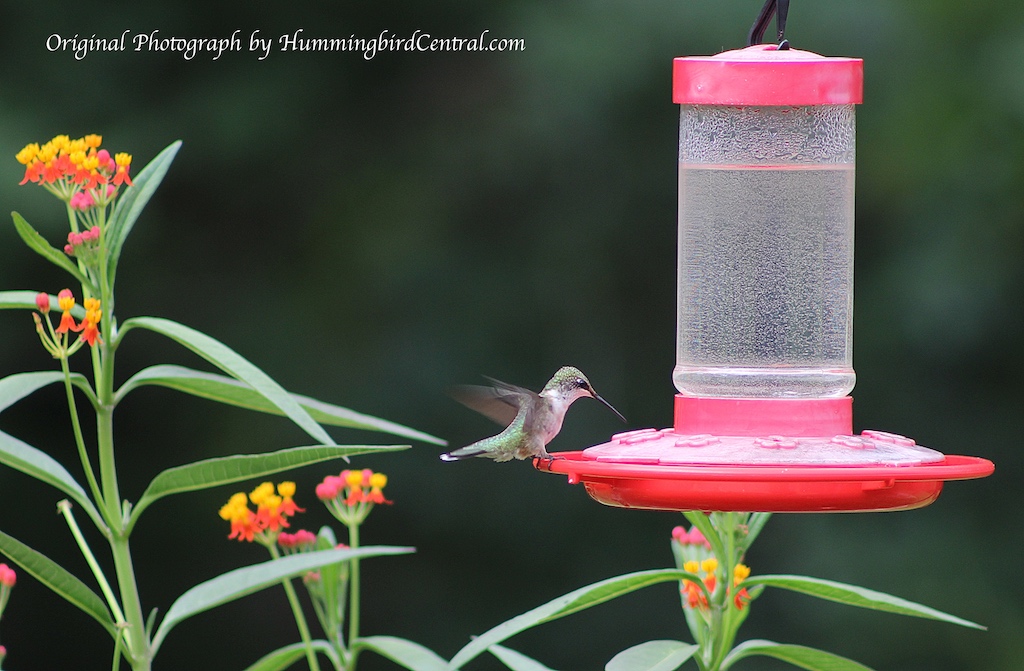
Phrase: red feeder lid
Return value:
(764, 75)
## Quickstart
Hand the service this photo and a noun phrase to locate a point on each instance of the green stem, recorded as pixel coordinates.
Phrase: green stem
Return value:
(108, 470)
(724, 523)
(108, 325)
(354, 597)
(729, 525)
(72, 219)
(103, 368)
(139, 648)
(65, 509)
(300, 618)
(80, 440)
(115, 664)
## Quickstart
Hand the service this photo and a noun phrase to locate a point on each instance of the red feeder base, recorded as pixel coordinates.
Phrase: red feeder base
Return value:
(763, 488)
(758, 455)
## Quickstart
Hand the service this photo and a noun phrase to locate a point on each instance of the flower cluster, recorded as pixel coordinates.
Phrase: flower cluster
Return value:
(351, 495)
(271, 514)
(694, 552)
(67, 167)
(740, 573)
(693, 537)
(79, 244)
(299, 541)
(88, 179)
(694, 595)
(55, 340)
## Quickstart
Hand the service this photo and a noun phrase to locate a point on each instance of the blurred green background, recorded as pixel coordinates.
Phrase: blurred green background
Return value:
(370, 232)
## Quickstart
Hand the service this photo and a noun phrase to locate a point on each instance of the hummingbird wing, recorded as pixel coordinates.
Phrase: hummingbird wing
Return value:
(500, 402)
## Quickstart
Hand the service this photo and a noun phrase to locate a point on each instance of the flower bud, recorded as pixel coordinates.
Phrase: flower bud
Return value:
(66, 300)
(329, 488)
(304, 538)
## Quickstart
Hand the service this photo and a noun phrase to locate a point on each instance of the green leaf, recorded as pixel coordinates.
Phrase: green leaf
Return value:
(282, 658)
(235, 365)
(703, 522)
(797, 655)
(26, 300)
(232, 392)
(15, 387)
(19, 300)
(754, 527)
(225, 470)
(652, 656)
(567, 604)
(333, 583)
(247, 580)
(131, 203)
(55, 577)
(515, 660)
(38, 244)
(403, 652)
(852, 595)
(41, 466)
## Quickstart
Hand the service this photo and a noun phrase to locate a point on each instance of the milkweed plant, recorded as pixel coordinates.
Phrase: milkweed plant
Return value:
(103, 198)
(103, 201)
(717, 590)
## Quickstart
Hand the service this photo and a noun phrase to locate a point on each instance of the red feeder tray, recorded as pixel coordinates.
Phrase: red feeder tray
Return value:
(766, 449)
(764, 488)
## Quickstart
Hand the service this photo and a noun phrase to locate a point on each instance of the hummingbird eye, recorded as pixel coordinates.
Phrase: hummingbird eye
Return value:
(582, 384)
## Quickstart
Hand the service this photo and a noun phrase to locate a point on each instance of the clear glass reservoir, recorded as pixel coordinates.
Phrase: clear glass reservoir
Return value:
(765, 265)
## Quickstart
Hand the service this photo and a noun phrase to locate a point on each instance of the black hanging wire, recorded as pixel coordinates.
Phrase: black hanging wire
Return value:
(778, 8)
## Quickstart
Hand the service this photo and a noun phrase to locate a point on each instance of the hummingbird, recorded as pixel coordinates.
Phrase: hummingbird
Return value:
(531, 420)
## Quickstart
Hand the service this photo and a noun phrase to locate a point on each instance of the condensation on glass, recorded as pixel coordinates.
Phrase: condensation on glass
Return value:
(765, 285)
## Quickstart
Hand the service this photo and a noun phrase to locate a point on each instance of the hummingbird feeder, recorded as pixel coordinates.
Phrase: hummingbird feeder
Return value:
(764, 360)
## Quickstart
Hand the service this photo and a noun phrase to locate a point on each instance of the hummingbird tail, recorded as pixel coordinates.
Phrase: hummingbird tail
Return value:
(462, 453)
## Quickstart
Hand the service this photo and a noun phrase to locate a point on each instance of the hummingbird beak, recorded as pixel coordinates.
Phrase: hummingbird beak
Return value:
(608, 405)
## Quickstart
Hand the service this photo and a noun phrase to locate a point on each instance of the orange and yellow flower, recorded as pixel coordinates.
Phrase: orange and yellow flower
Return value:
(696, 594)
(56, 339)
(351, 495)
(123, 162)
(90, 325)
(66, 302)
(243, 520)
(271, 515)
(66, 166)
(693, 595)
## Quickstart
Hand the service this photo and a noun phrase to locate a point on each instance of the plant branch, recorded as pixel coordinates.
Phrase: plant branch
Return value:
(300, 618)
(83, 453)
